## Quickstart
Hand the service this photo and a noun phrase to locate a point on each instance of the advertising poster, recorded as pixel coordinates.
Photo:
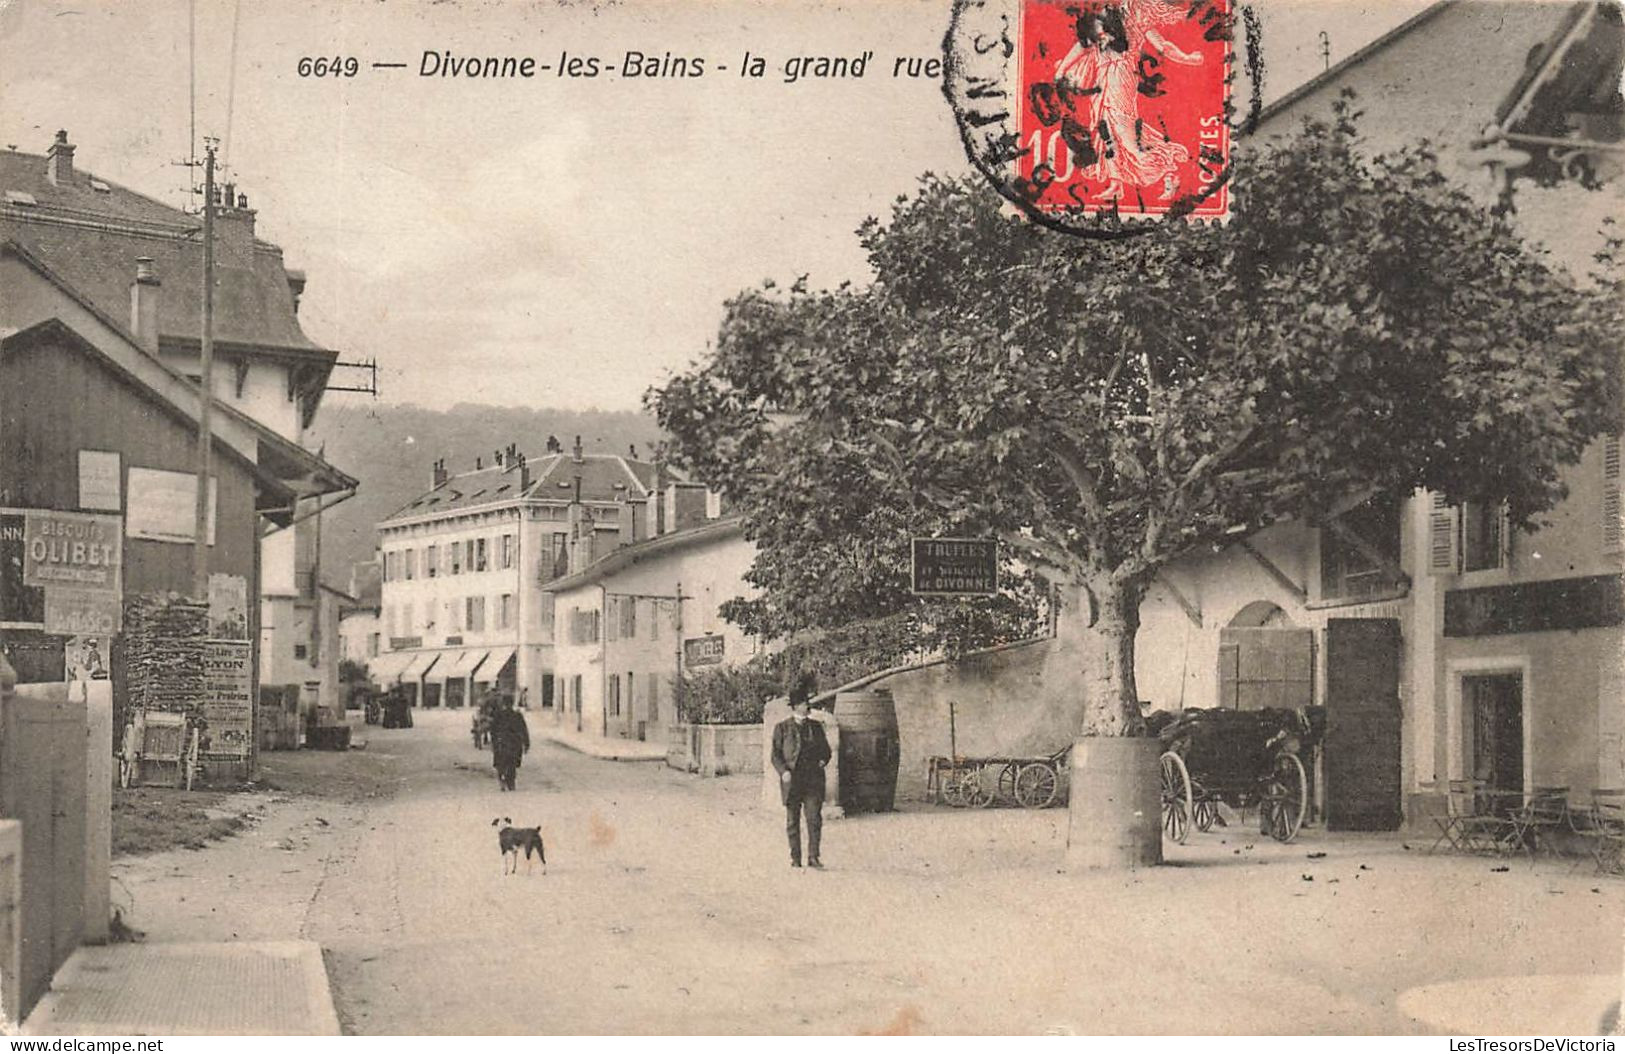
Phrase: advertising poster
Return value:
(163, 506)
(228, 607)
(228, 684)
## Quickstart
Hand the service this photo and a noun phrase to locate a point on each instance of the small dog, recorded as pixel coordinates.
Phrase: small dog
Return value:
(512, 839)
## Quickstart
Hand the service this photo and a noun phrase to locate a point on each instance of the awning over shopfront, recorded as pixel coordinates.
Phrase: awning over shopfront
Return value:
(420, 665)
(495, 660)
(460, 665)
(385, 668)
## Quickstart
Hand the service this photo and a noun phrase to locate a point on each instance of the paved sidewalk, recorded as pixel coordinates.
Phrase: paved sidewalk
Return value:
(265, 988)
(600, 747)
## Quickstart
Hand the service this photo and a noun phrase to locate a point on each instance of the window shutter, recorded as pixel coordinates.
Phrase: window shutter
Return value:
(1443, 558)
(1504, 526)
(1613, 516)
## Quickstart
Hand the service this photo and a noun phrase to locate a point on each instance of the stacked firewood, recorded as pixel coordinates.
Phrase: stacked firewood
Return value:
(164, 636)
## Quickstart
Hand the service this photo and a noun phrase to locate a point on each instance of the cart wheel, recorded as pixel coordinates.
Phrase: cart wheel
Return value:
(1036, 785)
(1177, 805)
(982, 791)
(953, 790)
(1286, 799)
(1008, 776)
(1205, 814)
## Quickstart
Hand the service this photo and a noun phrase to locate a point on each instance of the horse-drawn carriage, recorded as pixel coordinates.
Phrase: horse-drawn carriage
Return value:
(1239, 758)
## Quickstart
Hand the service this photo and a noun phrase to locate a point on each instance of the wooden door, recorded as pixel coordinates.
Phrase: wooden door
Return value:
(1266, 668)
(42, 784)
(1363, 724)
(1494, 733)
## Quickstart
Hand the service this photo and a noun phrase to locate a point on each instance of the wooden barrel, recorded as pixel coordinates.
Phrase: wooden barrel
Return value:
(869, 750)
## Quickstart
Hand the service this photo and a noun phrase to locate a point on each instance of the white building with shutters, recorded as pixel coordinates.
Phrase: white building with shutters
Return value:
(632, 623)
(1442, 645)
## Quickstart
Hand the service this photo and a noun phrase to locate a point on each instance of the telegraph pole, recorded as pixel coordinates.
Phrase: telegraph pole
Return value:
(205, 436)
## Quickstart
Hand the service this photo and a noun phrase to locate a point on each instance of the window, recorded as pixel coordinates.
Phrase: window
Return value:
(372, 645)
(1473, 536)
(300, 651)
(431, 561)
(1484, 536)
(561, 558)
(410, 563)
(389, 567)
(584, 626)
(468, 555)
(476, 614)
(479, 554)
(1359, 552)
(507, 551)
(614, 695)
(456, 549)
(505, 611)
(629, 617)
(654, 698)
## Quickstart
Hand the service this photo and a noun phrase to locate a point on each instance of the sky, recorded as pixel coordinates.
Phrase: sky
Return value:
(550, 241)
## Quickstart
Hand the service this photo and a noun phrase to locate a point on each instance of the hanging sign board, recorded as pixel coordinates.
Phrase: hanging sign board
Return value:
(72, 550)
(703, 651)
(228, 686)
(955, 567)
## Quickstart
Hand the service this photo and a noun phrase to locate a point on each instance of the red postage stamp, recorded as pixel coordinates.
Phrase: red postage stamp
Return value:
(1123, 107)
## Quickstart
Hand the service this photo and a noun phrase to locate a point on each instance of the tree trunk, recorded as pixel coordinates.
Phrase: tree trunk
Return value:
(1105, 633)
(1114, 816)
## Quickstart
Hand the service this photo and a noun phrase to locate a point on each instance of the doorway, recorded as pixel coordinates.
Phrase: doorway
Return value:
(1492, 729)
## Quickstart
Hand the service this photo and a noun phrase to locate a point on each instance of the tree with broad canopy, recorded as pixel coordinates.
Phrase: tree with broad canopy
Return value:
(1105, 406)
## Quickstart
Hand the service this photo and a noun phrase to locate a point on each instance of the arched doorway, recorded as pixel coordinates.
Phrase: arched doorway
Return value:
(1265, 661)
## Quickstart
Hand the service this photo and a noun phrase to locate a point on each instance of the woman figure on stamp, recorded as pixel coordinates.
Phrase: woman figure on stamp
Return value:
(1101, 75)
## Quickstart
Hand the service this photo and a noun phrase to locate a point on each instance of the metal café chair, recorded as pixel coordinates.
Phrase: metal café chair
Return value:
(1487, 821)
(1604, 826)
(1542, 816)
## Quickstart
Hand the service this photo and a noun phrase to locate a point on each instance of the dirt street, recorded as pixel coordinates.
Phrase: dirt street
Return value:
(668, 907)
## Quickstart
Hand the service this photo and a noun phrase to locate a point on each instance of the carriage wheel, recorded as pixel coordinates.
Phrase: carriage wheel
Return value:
(1009, 790)
(1205, 814)
(1286, 799)
(1177, 806)
(953, 789)
(1036, 785)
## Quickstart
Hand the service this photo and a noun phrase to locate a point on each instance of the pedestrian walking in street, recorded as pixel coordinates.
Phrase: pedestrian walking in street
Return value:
(800, 752)
(510, 741)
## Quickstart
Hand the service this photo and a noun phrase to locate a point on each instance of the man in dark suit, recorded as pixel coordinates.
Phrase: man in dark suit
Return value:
(510, 741)
(800, 752)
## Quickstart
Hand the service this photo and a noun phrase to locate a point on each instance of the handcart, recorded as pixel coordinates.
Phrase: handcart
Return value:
(162, 742)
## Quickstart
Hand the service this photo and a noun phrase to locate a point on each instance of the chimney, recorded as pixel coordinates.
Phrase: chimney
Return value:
(296, 285)
(657, 499)
(553, 446)
(524, 474)
(632, 451)
(496, 458)
(59, 161)
(234, 230)
(440, 474)
(575, 453)
(477, 464)
(685, 506)
(144, 304)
